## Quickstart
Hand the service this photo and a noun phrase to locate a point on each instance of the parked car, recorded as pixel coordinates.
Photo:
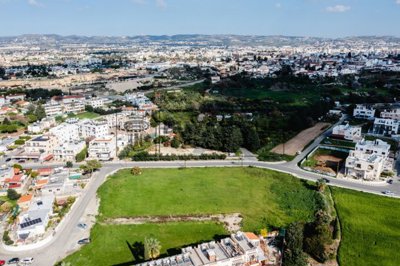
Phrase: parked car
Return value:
(2, 262)
(13, 261)
(27, 260)
(21, 161)
(390, 181)
(8, 159)
(82, 225)
(388, 192)
(84, 241)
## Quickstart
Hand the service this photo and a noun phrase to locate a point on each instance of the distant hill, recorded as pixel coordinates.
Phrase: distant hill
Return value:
(194, 40)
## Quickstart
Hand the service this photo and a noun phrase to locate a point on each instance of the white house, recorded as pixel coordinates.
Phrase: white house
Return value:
(386, 126)
(34, 221)
(364, 112)
(369, 160)
(103, 148)
(391, 114)
(347, 132)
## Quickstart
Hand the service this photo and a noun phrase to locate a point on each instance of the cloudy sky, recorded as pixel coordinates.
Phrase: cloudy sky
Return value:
(327, 18)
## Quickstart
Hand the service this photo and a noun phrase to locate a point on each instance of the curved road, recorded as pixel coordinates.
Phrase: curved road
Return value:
(68, 233)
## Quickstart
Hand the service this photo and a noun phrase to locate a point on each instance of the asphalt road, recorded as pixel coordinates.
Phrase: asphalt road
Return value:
(65, 240)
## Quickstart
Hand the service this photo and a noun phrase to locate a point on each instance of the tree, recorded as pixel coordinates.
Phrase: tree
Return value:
(136, 170)
(293, 253)
(6, 207)
(40, 113)
(91, 166)
(175, 143)
(18, 166)
(34, 174)
(69, 164)
(81, 156)
(152, 248)
(12, 194)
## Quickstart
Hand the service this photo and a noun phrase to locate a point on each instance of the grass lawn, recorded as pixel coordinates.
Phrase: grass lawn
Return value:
(370, 228)
(87, 115)
(109, 244)
(263, 197)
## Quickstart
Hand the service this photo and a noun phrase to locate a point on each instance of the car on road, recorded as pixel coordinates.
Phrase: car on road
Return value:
(390, 181)
(2, 262)
(82, 225)
(27, 260)
(13, 261)
(21, 161)
(388, 192)
(8, 159)
(84, 241)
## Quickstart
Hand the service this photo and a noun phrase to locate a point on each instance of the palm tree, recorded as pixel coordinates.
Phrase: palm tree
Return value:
(152, 248)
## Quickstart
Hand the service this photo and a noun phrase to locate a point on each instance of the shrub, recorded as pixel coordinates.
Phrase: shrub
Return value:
(12, 194)
(6, 238)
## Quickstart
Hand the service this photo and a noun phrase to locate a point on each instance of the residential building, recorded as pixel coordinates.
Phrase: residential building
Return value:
(93, 128)
(59, 105)
(66, 132)
(364, 112)
(391, 114)
(14, 178)
(34, 222)
(39, 127)
(68, 150)
(347, 132)
(24, 201)
(97, 102)
(386, 126)
(40, 148)
(238, 249)
(369, 160)
(103, 149)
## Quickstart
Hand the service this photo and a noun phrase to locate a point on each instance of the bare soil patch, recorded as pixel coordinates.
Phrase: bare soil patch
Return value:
(231, 221)
(298, 142)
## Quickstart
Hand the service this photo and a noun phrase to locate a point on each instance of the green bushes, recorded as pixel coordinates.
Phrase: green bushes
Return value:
(6, 238)
(19, 142)
(145, 156)
(81, 156)
(12, 194)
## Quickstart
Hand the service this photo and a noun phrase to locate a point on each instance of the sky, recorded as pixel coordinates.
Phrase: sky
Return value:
(319, 18)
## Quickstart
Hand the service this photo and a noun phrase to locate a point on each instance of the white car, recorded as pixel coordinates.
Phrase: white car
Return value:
(28, 260)
(388, 192)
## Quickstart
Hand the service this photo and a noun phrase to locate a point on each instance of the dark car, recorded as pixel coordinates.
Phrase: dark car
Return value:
(13, 261)
(21, 161)
(84, 241)
(390, 181)
(8, 159)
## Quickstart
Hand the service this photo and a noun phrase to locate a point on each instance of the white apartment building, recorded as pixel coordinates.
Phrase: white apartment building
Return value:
(391, 114)
(103, 148)
(40, 147)
(67, 151)
(364, 112)
(66, 132)
(386, 126)
(93, 128)
(347, 132)
(238, 249)
(59, 105)
(369, 160)
(96, 102)
(44, 124)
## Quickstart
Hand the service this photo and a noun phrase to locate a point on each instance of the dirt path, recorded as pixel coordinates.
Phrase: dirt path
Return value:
(231, 221)
(298, 142)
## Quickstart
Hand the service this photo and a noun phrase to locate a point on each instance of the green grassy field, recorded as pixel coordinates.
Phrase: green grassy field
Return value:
(87, 115)
(263, 197)
(370, 228)
(109, 244)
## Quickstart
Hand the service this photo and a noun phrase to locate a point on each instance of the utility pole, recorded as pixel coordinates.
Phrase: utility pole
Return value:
(116, 134)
